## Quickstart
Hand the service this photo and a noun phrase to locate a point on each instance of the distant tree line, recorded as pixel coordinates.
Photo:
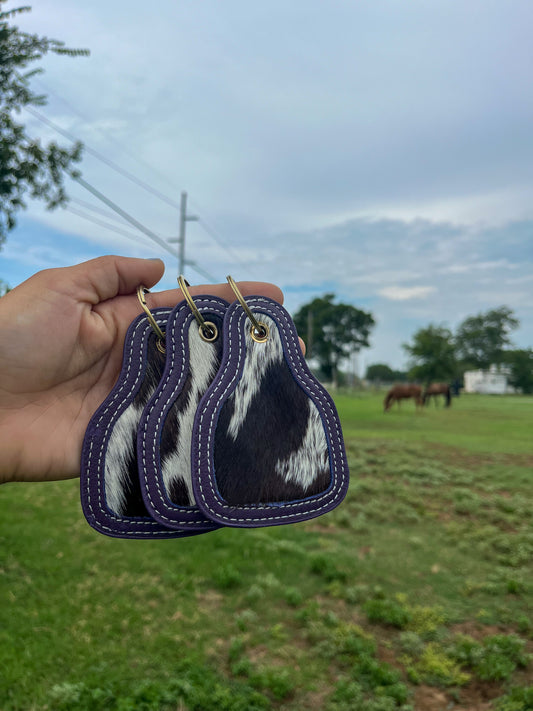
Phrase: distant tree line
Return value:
(333, 332)
(437, 354)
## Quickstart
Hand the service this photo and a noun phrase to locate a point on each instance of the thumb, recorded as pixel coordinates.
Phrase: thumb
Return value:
(110, 276)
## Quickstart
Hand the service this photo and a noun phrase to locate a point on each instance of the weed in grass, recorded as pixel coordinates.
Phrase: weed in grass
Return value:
(466, 503)
(426, 621)
(524, 624)
(520, 698)
(411, 643)
(195, 686)
(350, 696)
(268, 581)
(435, 668)
(237, 646)
(387, 612)
(277, 681)
(254, 593)
(353, 594)
(227, 577)
(293, 596)
(495, 658)
(245, 618)
(323, 566)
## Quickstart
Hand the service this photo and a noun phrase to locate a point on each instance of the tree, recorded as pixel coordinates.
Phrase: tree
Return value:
(334, 332)
(384, 373)
(26, 166)
(521, 364)
(432, 354)
(481, 340)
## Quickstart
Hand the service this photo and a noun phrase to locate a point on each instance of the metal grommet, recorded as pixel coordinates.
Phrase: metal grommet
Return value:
(261, 334)
(207, 329)
(259, 331)
(141, 291)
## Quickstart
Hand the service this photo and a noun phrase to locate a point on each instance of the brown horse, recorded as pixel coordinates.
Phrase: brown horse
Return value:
(434, 390)
(403, 392)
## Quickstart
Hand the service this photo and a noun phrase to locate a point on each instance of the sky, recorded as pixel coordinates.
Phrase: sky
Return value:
(381, 150)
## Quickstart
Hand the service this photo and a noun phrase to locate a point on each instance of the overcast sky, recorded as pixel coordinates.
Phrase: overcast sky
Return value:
(381, 150)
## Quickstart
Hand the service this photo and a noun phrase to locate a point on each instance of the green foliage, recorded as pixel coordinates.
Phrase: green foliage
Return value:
(196, 686)
(493, 659)
(350, 695)
(379, 372)
(520, 698)
(324, 566)
(332, 331)
(26, 167)
(388, 612)
(521, 364)
(436, 668)
(227, 577)
(432, 354)
(481, 340)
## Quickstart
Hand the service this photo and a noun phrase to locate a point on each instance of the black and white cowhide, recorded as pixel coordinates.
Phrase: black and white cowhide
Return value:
(122, 487)
(267, 440)
(111, 495)
(270, 443)
(175, 444)
(165, 431)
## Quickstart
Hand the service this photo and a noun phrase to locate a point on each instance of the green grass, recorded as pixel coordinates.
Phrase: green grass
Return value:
(422, 579)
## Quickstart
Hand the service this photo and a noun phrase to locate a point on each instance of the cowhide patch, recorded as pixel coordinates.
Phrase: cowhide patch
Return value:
(110, 488)
(267, 442)
(165, 432)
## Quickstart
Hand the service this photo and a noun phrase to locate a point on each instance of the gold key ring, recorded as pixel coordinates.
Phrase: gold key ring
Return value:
(141, 291)
(259, 331)
(207, 329)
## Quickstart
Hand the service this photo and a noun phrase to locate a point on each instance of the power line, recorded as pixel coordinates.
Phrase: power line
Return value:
(114, 166)
(111, 139)
(95, 208)
(125, 215)
(101, 223)
(125, 173)
(201, 271)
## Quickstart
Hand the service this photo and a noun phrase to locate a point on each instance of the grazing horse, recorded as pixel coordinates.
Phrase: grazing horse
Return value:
(403, 392)
(435, 389)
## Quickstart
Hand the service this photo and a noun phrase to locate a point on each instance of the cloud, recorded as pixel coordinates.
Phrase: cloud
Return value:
(381, 151)
(405, 293)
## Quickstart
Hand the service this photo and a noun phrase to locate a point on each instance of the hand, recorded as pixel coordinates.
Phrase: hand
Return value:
(61, 339)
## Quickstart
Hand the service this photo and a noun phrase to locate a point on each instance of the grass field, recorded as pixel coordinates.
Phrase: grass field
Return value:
(416, 593)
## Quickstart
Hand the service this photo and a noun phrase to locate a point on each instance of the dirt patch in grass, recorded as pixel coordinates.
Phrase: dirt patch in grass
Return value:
(478, 631)
(479, 695)
(209, 600)
(427, 698)
(476, 460)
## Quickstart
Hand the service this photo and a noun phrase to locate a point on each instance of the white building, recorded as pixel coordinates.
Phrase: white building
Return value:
(488, 382)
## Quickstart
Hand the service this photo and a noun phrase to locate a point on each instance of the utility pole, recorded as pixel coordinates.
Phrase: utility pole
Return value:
(184, 218)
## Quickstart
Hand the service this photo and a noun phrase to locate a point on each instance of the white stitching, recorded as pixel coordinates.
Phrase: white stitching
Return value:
(212, 307)
(107, 512)
(309, 387)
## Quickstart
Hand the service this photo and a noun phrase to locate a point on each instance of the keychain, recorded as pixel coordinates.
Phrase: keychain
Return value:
(267, 441)
(194, 349)
(110, 489)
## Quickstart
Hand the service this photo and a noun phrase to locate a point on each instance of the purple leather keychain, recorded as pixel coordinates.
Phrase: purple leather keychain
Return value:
(110, 490)
(267, 445)
(194, 349)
